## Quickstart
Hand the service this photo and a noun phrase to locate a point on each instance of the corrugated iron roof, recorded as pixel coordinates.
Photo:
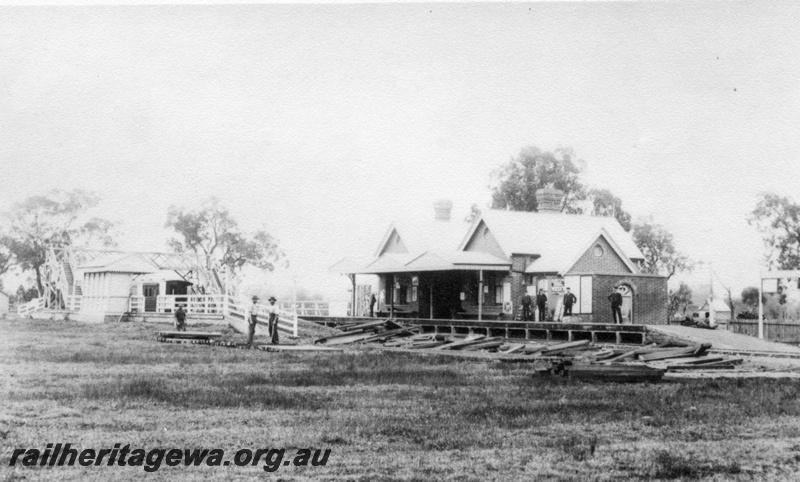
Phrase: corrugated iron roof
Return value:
(542, 234)
(426, 261)
(120, 263)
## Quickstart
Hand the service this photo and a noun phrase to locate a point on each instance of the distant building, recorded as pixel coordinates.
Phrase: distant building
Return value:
(722, 312)
(444, 268)
(98, 283)
(4, 302)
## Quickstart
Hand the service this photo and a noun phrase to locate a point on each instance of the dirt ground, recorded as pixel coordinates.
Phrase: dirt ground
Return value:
(384, 416)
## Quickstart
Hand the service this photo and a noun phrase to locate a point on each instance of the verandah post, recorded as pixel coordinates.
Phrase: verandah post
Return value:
(480, 296)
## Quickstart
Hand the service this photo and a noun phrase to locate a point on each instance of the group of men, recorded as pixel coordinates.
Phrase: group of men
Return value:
(251, 315)
(568, 301)
(541, 305)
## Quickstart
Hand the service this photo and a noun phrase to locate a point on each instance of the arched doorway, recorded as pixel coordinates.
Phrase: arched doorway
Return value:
(627, 303)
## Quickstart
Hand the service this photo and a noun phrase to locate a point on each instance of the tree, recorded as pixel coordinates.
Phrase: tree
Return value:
(474, 212)
(25, 295)
(6, 259)
(660, 255)
(778, 219)
(60, 218)
(605, 203)
(534, 169)
(680, 298)
(750, 297)
(211, 232)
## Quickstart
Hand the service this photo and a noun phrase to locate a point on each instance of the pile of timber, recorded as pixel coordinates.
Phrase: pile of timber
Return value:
(371, 331)
(675, 358)
(214, 339)
(391, 335)
(645, 364)
(189, 337)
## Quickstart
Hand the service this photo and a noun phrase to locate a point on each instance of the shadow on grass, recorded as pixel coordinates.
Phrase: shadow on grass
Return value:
(217, 393)
(668, 465)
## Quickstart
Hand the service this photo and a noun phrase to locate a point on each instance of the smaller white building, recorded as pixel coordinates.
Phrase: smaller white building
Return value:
(108, 280)
(721, 311)
(4, 302)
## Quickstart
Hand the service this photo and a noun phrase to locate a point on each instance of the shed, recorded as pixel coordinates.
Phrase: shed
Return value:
(4, 302)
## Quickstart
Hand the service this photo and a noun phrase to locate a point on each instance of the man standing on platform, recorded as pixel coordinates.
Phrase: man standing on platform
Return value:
(569, 300)
(616, 306)
(541, 303)
(251, 316)
(272, 309)
(526, 307)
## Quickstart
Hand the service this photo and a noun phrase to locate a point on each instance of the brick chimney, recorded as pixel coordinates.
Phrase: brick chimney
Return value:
(442, 209)
(549, 200)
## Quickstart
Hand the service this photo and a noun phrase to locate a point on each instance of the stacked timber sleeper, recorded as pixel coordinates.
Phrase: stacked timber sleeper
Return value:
(578, 359)
(392, 335)
(214, 339)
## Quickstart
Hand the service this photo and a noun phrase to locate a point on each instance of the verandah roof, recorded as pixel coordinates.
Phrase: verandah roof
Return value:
(426, 261)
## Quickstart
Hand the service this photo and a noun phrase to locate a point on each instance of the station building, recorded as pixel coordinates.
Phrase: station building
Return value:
(444, 269)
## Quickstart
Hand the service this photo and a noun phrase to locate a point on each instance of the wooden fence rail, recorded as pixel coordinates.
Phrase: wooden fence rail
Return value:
(773, 331)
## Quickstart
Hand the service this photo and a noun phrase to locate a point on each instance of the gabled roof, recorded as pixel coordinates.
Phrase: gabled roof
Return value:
(562, 260)
(520, 232)
(419, 236)
(717, 305)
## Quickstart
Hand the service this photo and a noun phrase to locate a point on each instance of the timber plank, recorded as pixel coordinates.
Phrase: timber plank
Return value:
(188, 334)
(296, 348)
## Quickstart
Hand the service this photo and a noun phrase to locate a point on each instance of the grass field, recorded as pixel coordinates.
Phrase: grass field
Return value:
(385, 416)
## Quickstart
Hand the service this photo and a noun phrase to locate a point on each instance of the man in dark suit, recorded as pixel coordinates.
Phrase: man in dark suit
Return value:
(180, 319)
(616, 306)
(569, 300)
(526, 307)
(541, 304)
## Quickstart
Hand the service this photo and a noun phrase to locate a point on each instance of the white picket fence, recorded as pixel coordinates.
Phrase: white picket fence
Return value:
(287, 319)
(306, 308)
(31, 307)
(222, 305)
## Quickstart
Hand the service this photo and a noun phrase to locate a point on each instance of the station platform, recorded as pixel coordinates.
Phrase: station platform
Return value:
(517, 330)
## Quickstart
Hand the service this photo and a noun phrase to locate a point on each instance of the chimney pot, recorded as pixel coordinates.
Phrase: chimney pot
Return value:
(442, 209)
(549, 200)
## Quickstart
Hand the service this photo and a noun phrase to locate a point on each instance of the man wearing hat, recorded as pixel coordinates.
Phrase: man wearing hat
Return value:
(616, 305)
(180, 319)
(273, 320)
(251, 315)
(569, 300)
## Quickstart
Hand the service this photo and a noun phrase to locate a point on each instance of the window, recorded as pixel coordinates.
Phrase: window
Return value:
(598, 251)
(498, 294)
(403, 292)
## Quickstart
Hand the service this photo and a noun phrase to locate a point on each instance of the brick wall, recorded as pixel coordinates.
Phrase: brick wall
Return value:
(649, 298)
(517, 290)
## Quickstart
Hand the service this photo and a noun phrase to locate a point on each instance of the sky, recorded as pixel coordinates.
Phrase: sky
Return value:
(322, 123)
